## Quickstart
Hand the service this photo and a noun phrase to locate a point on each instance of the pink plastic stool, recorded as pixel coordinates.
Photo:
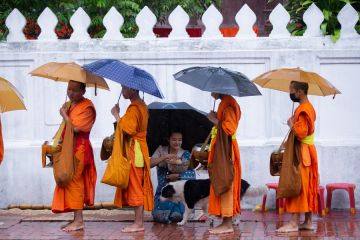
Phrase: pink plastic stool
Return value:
(279, 202)
(349, 187)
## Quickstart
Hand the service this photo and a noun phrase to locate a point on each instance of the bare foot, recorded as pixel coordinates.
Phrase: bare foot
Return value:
(288, 228)
(133, 228)
(221, 229)
(65, 225)
(306, 226)
(74, 226)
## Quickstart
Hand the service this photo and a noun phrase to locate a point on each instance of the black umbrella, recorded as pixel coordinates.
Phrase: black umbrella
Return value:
(166, 117)
(218, 80)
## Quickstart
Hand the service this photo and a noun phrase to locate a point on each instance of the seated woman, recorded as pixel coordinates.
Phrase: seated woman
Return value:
(166, 211)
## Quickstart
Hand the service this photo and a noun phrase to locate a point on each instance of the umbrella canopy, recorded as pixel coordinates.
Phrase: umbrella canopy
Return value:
(218, 80)
(279, 79)
(126, 75)
(10, 98)
(165, 117)
(66, 72)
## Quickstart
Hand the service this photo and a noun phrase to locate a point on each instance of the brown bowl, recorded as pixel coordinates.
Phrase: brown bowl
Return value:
(178, 168)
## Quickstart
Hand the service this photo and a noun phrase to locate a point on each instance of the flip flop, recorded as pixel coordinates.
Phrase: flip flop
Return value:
(287, 230)
(202, 217)
(213, 231)
(74, 229)
(306, 228)
(124, 230)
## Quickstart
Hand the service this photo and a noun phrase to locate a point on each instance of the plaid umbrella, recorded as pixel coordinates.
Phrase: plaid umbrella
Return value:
(126, 75)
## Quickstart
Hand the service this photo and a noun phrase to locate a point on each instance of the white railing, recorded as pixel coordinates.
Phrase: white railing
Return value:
(178, 20)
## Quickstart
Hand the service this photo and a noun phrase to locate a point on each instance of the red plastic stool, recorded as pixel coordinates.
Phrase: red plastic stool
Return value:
(321, 205)
(344, 186)
(279, 202)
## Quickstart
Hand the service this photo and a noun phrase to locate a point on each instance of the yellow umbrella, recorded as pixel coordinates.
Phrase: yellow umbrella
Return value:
(279, 79)
(66, 72)
(10, 98)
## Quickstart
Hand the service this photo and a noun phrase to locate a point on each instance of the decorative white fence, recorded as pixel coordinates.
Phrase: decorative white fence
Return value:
(178, 20)
(261, 129)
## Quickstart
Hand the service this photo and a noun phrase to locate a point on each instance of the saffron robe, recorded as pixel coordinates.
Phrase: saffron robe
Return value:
(1, 144)
(304, 126)
(81, 190)
(227, 204)
(139, 191)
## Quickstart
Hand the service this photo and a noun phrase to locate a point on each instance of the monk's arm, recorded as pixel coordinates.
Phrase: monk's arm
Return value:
(82, 122)
(130, 120)
(230, 122)
(63, 113)
(301, 126)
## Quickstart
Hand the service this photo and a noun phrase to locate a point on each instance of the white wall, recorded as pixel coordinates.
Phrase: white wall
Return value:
(261, 129)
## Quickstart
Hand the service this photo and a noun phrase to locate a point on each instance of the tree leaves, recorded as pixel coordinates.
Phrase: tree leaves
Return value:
(330, 9)
(97, 9)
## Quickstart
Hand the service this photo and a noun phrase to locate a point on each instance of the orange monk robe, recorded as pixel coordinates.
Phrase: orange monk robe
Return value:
(1, 144)
(304, 125)
(228, 204)
(81, 190)
(139, 191)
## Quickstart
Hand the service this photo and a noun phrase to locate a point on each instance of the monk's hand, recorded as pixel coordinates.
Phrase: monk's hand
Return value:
(63, 113)
(212, 117)
(290, 122)
(173, 177)
(115, 111)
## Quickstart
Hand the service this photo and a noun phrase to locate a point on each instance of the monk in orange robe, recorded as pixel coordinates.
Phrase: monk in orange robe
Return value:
(1, 144)
(139, 193)
(303, 124)
(81, 189)
(227, 204)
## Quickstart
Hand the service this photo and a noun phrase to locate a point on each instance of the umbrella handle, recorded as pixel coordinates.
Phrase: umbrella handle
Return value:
(214, 105)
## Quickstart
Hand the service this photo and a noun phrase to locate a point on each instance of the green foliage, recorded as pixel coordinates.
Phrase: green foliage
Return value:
(195, 8)
(330, 8)
(96, 9)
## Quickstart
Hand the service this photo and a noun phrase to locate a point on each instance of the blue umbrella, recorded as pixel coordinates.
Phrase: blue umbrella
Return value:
(126, 75)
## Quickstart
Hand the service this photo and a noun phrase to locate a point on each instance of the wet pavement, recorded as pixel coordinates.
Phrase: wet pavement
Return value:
(107, 224)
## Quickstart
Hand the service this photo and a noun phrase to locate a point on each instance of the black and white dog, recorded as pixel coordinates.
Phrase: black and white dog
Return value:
(195, 193)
